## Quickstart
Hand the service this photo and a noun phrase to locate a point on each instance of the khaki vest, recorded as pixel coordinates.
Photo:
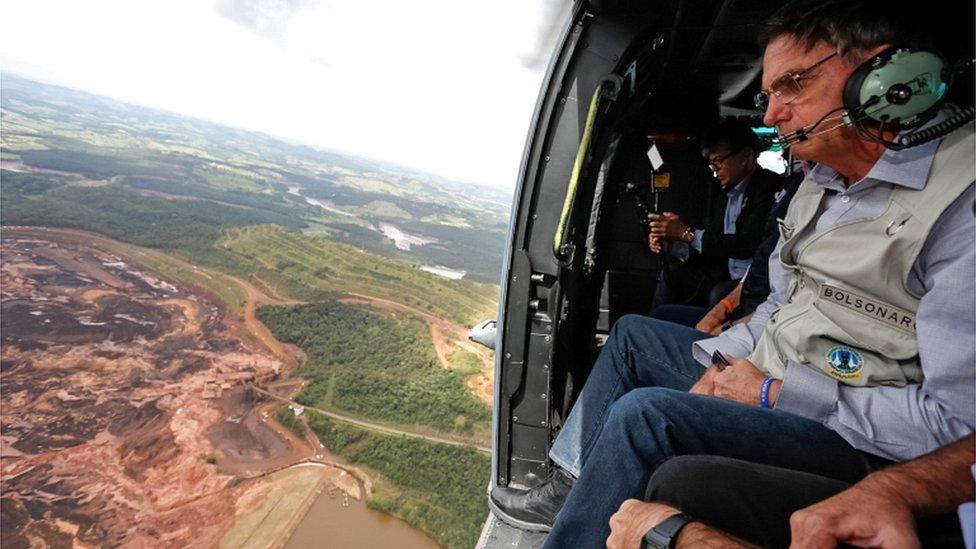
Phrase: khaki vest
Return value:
(849, 313)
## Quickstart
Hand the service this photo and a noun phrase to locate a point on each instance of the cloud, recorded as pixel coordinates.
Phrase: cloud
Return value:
(438, 85)
(554, 17)
(269, 18)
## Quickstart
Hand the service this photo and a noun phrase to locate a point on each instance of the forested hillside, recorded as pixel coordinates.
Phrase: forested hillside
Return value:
(376, 365)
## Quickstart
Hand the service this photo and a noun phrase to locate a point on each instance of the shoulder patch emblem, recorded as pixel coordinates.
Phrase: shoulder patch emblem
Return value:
(844, 363)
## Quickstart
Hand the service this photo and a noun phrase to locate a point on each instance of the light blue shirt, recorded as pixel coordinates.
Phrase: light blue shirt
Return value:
(733, 207)
(894, 422)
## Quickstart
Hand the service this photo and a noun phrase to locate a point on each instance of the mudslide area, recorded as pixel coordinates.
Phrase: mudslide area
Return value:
(123, 416)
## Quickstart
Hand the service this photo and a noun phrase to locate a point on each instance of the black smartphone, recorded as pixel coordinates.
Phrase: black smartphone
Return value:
(720, 361)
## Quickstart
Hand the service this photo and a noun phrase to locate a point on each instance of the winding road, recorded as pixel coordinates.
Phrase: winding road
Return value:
(375, 427)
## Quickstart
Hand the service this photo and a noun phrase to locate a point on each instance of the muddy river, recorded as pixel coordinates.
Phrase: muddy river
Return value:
(335, 520)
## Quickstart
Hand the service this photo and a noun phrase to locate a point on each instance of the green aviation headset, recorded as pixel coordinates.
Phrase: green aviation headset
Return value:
(899, 89)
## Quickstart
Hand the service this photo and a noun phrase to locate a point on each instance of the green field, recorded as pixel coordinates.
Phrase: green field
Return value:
(376, 366)
(312, 268)
(220, 198)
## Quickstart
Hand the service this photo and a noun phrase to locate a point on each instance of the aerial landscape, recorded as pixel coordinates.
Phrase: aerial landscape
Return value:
(211, 337)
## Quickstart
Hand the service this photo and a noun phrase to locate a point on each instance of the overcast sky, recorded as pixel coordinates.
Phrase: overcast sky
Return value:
(446, 86)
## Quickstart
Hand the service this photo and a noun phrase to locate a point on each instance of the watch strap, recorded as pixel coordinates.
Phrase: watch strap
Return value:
(662, 536)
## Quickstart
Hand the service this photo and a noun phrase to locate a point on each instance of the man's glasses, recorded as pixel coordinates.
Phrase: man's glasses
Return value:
(787, 88)
(716, 163)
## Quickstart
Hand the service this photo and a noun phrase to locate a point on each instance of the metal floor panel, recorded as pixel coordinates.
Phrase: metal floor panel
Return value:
(497, 535)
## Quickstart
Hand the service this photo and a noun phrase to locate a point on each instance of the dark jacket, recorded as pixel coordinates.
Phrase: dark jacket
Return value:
(755, 286)
(691, 282)
(717, 247)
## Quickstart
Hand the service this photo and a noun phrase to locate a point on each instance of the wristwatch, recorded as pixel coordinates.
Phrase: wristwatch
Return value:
(663, 535)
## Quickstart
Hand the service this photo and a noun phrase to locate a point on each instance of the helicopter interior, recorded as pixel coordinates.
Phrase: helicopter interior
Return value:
(627, 75)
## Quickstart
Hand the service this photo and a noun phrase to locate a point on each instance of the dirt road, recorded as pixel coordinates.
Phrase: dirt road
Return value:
(256, 297)
(373, 426)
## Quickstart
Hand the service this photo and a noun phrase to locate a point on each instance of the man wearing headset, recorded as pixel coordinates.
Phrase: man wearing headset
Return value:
(862, 355)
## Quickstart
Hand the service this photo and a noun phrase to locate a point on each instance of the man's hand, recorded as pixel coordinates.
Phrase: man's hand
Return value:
(667, 226)
(706, 383)
(865, 515)
(741, 382)
(634, 518)
(654, 243)
(712, 322)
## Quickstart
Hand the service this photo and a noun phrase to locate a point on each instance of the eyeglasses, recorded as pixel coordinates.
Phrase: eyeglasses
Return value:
(717, 163)
(787, 87)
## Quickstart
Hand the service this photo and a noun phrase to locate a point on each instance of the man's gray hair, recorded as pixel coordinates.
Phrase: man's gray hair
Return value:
(851, 27)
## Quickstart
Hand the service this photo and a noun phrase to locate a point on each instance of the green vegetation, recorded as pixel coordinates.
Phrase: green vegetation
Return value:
(139, 153)
(94, 166)
(465, 363)
(435, 487)
(190, 226)
(286, 417)
(375, 366)
(306, 268)
(315, 268)
(336, 436)
(226, 199)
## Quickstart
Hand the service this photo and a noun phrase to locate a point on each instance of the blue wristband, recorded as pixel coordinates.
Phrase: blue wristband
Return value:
(764, 392)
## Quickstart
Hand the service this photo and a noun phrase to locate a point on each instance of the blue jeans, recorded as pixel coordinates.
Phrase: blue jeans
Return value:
(635, 412)
(686, 315)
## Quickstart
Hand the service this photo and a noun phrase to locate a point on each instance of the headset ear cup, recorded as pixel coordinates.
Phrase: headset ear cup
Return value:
(852, 88)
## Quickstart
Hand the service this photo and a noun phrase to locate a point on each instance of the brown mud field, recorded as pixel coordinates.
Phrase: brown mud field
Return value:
(247, 441)
(124, 418)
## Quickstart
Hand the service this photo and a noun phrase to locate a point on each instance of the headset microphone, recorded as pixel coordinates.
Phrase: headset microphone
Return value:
(804, 133)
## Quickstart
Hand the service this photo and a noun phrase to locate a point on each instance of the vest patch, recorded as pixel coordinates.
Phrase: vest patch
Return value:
(889, 314)
(844, 363)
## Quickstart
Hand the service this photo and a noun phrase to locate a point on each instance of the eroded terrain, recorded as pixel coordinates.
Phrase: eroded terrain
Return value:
(123, 417)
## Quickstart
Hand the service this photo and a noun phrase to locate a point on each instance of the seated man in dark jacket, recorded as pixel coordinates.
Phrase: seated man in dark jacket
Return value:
(700, 258)
(751, 291)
